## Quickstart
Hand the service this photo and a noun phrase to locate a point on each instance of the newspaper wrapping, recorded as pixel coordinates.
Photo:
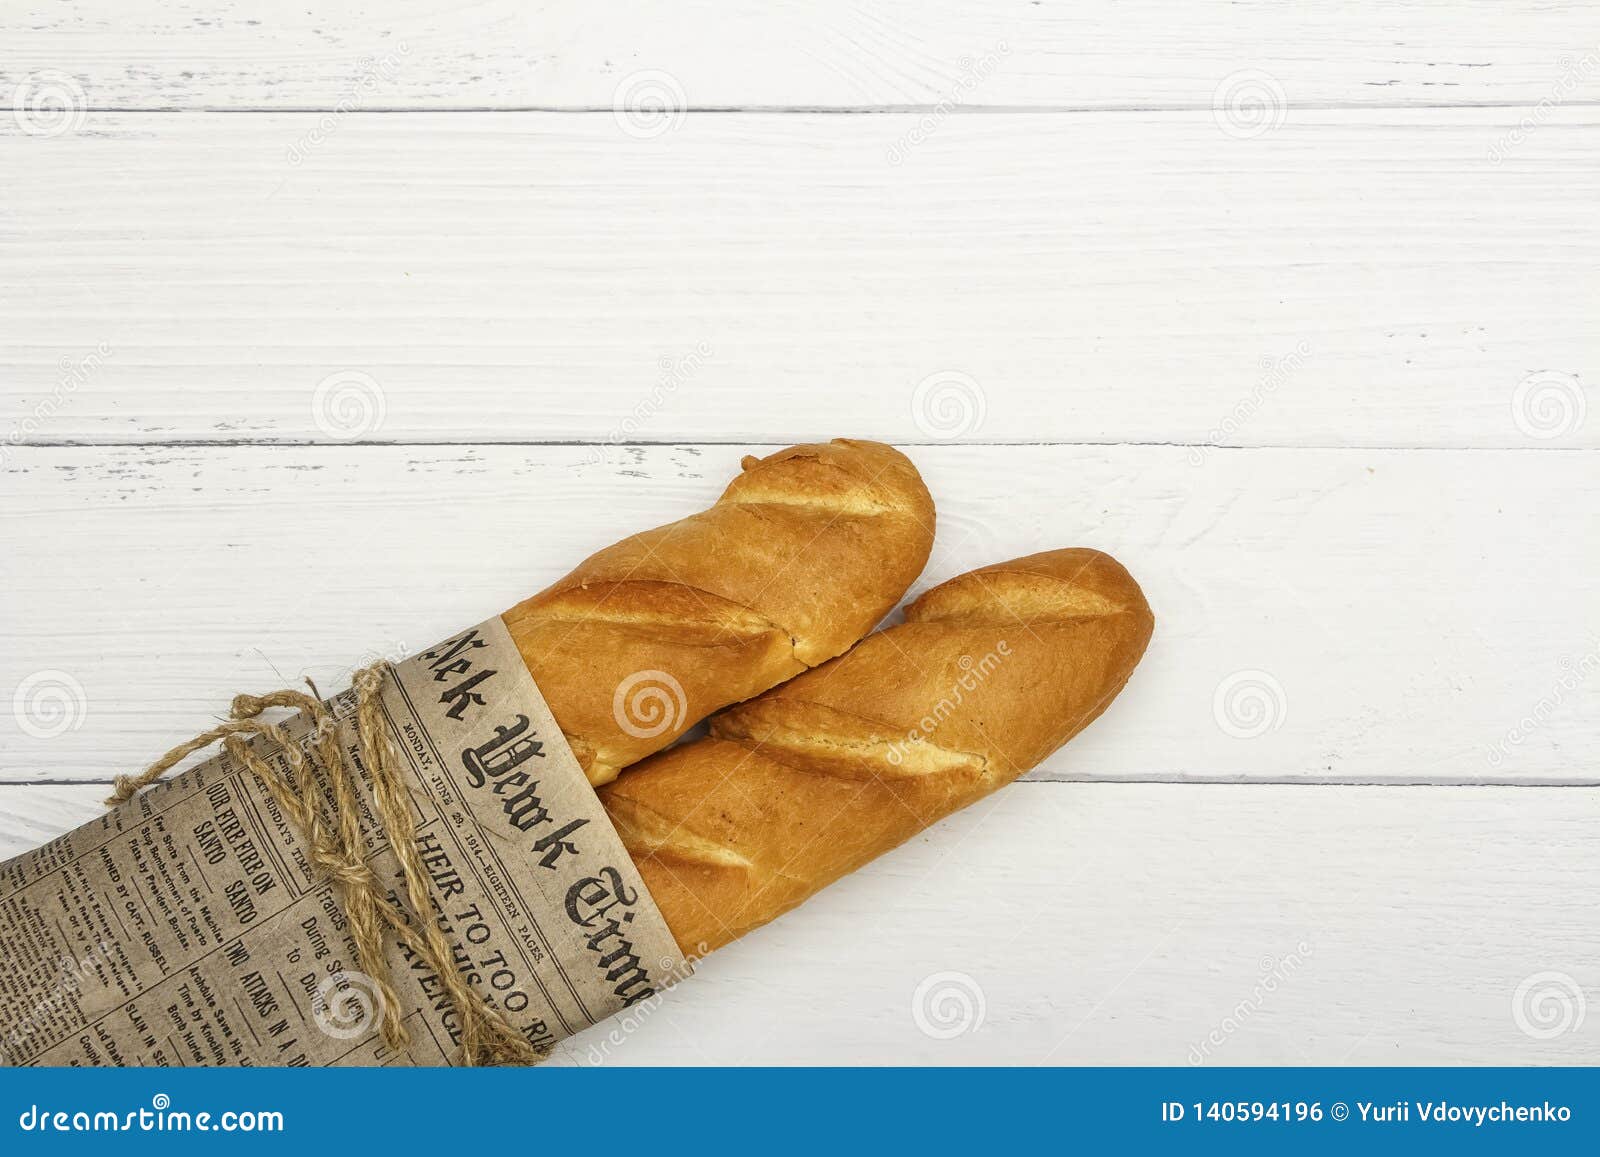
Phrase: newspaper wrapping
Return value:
(188, 927)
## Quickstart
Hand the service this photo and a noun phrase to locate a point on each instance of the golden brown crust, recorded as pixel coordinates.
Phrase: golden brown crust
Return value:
(992, 671)
(802, 555)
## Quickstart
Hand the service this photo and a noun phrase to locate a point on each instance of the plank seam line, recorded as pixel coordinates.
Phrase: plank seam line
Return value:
(825, 110)
(325, 444)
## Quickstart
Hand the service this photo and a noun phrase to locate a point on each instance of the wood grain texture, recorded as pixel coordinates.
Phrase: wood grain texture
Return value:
(1352, 615)
(1350, 278)
(1125, 924)
(827, 53)
(1270, 250)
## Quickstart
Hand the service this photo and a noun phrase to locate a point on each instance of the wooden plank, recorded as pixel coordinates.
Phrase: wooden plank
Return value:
(1118, 924)
(1327, 615)
(843, 53)
(1368, 278)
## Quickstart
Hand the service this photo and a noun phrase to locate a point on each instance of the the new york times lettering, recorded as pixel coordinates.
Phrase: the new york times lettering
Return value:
(500, 762)
(603, 904)
(234, 934)
(506, 756)
(500, 759)
(450, 662)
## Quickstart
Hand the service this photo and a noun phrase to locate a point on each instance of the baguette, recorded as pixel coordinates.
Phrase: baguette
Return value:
(991, 672)
(801, 556)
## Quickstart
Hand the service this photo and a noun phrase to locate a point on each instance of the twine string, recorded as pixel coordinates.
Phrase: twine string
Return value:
(332, 827)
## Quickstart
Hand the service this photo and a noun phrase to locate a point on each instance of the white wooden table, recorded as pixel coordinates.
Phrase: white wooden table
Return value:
(1293, 308)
